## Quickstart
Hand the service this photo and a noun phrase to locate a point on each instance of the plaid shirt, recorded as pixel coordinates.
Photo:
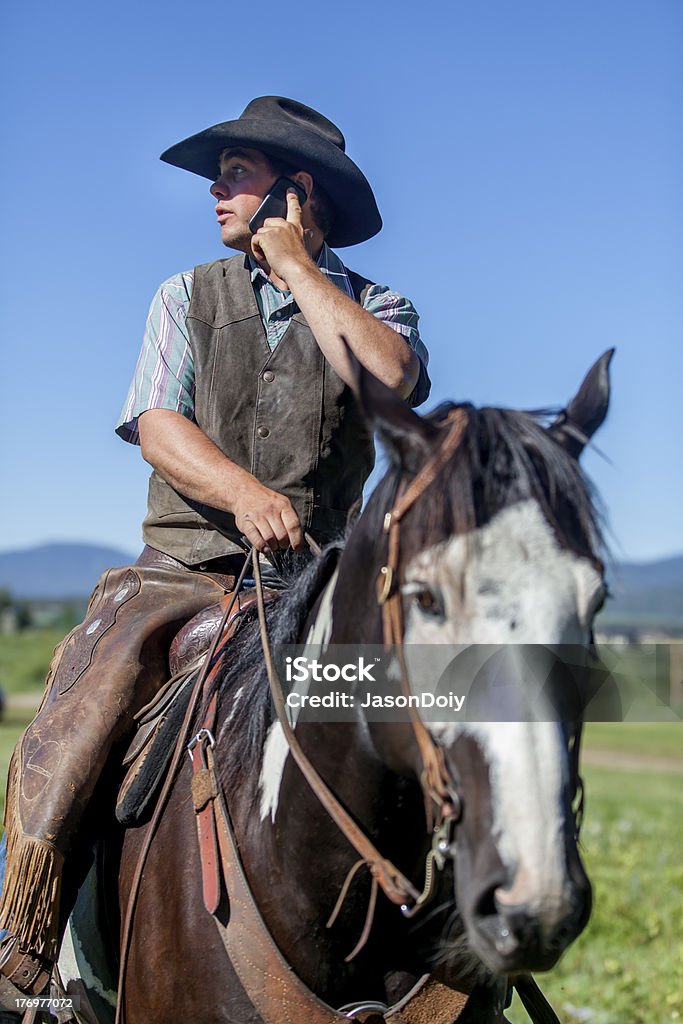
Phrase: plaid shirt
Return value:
(164, 375)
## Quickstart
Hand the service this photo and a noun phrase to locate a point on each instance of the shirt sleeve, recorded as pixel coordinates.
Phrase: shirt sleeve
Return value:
(164, 375)
(400, 314)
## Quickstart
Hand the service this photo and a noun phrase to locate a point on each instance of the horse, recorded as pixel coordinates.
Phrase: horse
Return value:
(499, 544)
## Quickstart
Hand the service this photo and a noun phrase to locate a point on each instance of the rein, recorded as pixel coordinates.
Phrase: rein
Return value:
(437, 786)
(393, 882)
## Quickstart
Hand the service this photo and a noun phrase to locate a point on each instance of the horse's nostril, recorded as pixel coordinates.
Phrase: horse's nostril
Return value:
(485, 905)
(522, 926)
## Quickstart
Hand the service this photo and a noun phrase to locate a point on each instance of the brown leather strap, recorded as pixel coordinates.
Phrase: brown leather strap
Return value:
(456, 421)
(203, 794)
(430, 1002)
(435, 779)
(394, 883)
(278, 995)
(204, 787)
(28, 972)
(127, 928)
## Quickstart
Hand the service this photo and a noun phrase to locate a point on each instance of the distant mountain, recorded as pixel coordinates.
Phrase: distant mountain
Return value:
(646, 593)
(642, 594)
(57, 571)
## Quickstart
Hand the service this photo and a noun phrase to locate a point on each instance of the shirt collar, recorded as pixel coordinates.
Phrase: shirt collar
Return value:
(328, 262)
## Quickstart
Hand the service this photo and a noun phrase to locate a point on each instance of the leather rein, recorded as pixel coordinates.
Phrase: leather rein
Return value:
(442, 803)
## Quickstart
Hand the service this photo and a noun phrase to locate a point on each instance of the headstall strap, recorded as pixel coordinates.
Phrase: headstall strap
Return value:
(436, 783)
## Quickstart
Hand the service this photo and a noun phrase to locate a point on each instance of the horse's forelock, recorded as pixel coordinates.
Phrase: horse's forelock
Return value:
(504, 456)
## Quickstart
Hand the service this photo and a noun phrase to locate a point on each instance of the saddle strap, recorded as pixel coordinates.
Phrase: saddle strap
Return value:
(204, 792)
(430, 1002)
(277, 994)
(204, 783)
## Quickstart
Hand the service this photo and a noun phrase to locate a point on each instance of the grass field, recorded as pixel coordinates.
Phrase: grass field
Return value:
(25, 657)
(627, 968)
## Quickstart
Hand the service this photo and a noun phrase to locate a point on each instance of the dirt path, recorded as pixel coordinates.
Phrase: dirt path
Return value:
(633, 762)
(25, 701)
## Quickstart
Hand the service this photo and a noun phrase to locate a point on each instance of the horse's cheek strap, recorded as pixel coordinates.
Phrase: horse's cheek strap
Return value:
(434, 777)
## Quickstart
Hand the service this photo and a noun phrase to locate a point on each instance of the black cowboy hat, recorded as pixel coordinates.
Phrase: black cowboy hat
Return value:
(292, 132)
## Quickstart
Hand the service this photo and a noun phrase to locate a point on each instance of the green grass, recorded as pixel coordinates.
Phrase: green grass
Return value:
(644, 739)
(16, 720)
(25, 658)
(627, 966)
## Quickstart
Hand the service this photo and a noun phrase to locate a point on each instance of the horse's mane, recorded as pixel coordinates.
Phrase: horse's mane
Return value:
(505, 456)
(245, 720)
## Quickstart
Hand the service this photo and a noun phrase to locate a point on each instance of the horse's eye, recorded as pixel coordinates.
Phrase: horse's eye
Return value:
(602, 596)
(429, 602)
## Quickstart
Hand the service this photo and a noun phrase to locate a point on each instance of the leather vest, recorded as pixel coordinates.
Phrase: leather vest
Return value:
(283, 415)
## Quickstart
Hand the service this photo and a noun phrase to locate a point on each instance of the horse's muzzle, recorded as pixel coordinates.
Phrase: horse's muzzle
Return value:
(515, 937)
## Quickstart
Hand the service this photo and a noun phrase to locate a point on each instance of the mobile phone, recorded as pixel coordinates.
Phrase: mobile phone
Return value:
(275, 203)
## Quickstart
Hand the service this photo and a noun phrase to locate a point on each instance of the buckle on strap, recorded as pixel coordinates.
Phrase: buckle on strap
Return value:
(203, 736)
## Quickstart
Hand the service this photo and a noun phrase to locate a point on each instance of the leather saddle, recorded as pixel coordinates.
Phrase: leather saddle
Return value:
(151, 748)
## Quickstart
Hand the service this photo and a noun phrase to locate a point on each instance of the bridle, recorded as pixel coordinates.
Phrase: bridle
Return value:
(442, 802)
(437, 783)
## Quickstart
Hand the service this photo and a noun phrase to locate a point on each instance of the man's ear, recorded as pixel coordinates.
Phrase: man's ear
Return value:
(587, 410)
(407, 436)
(304, 179)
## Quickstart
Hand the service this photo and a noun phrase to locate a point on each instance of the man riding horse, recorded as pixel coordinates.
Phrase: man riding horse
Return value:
(241, 403)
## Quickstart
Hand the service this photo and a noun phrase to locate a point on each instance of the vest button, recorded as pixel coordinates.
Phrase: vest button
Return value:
(269, 376)
(263, 432)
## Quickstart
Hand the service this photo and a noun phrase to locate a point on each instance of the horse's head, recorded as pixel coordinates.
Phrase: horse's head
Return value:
(499, 548)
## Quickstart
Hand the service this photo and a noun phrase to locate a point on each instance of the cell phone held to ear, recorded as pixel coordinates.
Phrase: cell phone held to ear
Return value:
(275, 203)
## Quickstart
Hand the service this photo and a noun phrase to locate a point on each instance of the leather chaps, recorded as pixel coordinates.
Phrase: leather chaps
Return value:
(101, 675)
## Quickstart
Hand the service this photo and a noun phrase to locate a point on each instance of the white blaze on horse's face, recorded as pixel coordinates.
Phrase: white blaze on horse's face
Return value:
(511, 582)
(508, 582)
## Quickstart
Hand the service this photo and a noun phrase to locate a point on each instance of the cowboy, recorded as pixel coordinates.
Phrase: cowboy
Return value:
(241, 403)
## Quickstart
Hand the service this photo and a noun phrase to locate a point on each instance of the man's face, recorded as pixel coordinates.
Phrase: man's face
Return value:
(244, 180)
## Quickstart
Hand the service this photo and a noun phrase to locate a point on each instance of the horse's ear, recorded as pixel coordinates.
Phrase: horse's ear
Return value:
(406, 435)
(575, 426)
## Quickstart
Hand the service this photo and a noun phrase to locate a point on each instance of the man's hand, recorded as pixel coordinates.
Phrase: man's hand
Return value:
(283, 244)
(266, 518)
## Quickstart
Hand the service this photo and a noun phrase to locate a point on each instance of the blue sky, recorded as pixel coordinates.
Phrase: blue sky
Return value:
(526, 157)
